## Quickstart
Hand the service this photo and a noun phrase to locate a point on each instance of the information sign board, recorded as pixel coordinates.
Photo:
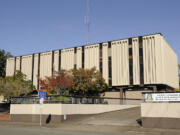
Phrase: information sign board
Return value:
(162, 97)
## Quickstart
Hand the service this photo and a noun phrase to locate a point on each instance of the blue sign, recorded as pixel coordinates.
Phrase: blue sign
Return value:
(41, 94)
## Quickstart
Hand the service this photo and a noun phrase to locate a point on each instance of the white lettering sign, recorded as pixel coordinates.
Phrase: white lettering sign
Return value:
(161, 97)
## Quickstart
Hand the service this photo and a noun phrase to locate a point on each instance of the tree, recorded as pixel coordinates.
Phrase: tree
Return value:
(3, 57)
(60, 83)
(76, 82)
(88, 82)
(16, 85)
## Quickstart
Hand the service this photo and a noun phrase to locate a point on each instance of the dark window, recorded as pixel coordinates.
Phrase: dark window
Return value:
(75, 66)
(32, 75)
(100, 46)
(100, 52)
(141, 74)
(101, 68)
(82, 56)
(131, 70)
(130, 61)
(110, 82)
(100, 58)
(75, 49)
(110, 72)
(131, 73)
(39, 59)
(52, 62)
(14, 67)
(140, 52)
(141, 70)
(140, 40)
(20, 62)
(59, 60)
(141, 59)
(130, 41)
(109, 44)
(109, 67)
(130, 51)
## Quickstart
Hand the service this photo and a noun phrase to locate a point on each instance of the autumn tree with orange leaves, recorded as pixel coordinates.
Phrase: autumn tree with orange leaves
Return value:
(60, 83)
(76, 82)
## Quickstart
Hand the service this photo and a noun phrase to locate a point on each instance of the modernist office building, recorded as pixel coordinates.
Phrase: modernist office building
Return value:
(137, 62)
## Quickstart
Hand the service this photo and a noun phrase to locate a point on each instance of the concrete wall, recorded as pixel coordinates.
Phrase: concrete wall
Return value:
(128, 94)
(67, 59)
(54, 113)
(17, 63)
(167, 110)
(136, 63)
(120, 63)
(26, 67)
(61, 109)
(45, 64)
(160, 61)
(160, 115)
(91, 56)
(170, 65)
(35, 72)
(105, 61)
(157, 67)
(10, 63)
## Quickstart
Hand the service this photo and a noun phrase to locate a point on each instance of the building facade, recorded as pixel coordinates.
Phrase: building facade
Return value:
(132, 63)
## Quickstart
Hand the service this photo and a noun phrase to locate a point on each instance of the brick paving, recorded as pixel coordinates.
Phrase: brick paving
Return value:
(4, 116)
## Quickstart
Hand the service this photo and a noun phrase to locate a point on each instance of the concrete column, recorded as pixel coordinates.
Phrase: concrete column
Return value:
(154, 89)
(121, 95)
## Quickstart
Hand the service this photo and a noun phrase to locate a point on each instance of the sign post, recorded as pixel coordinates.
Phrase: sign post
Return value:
(41, 96)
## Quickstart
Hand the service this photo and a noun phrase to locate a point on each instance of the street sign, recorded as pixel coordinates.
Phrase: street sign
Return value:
(41, 94)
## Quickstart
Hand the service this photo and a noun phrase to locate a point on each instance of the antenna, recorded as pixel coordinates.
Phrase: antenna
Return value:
(88, 21)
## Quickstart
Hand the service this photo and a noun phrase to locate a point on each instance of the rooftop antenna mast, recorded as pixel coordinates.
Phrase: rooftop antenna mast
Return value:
(88, 21)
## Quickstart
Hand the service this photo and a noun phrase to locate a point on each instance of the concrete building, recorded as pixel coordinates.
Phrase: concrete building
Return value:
(132, 63)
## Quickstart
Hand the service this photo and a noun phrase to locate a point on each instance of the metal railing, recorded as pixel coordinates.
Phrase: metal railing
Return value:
(75, 100)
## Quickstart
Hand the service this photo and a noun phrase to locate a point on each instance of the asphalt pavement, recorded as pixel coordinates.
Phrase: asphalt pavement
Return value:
(122, 122)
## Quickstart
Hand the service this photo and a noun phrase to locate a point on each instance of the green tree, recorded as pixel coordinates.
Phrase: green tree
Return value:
(3, 57)
(16, 85)
(88, 82)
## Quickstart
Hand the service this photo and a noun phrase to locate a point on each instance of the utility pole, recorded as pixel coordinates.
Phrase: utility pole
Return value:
(88, 21)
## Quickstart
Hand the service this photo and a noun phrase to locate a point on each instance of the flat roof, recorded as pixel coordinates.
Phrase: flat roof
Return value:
(88, 44)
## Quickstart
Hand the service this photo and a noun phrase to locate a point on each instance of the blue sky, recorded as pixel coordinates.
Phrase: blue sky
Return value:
(29, 26)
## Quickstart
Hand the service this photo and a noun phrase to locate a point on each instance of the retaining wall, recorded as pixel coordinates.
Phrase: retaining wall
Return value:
(58, 112)
(160, 115)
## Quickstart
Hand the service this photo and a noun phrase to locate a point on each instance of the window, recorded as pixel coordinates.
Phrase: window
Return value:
(130, 51)
(130, 41)
(140, 52)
